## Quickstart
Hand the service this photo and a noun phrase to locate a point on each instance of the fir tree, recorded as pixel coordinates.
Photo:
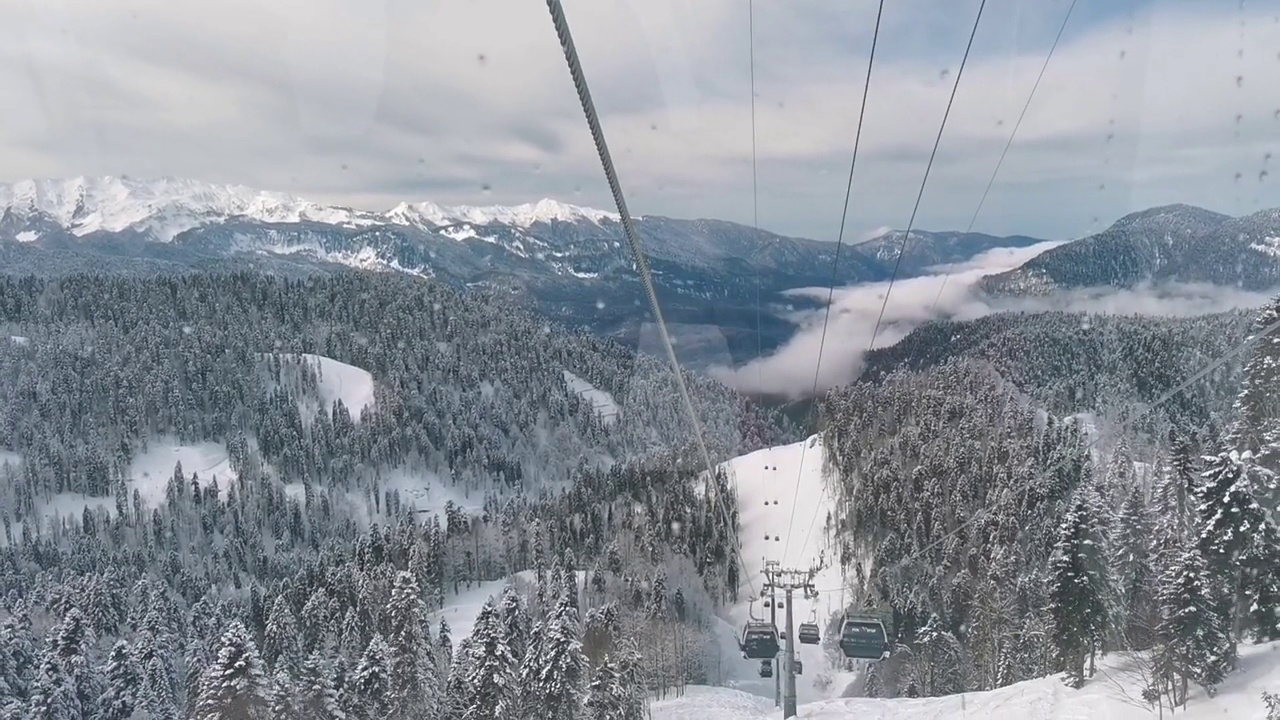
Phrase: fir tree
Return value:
(123, 680)
(1192, 639)
(413, 689)
(1076, 591)
(371, 683)
(1133, 572)
(554, 674)
(283, 696)
(280, 641)
(235, 686)
(515, 622)
(606, 698)
(491, 679)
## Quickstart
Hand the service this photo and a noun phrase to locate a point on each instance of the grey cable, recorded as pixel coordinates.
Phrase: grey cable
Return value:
(637, 252)
(1008, 144)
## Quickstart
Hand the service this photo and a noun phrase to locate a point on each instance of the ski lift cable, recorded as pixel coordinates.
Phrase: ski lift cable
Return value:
(755, 188)
(1214, 365)
(906, 238)
(835, 263)
(637, 251)
(1043, 67)
(982, 201)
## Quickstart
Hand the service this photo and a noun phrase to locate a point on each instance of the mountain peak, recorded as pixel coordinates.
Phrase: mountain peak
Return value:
(545, 210)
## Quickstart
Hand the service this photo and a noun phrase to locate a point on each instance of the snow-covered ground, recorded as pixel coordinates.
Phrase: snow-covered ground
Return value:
(1113, 694)
(783, 508)
(340, 381)
(19, 340)
(600, 400)
(11, 458)
(151, 470)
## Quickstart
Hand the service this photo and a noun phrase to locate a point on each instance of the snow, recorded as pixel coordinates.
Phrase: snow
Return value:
(1267, 246)
(768, 500)
(462, 232)
(600, 400)
(428, 492)
(339, 381)
(1113, 694)
(19, 340)
(164, 206)
(429, 214)
(461, 610)
(150, 471)
(9, 458)
(27, 236)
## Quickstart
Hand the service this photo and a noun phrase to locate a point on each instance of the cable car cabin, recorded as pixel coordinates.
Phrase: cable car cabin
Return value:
(808, 634)
(766, 668)
(799, 667)
(759, 641)
(864, 638)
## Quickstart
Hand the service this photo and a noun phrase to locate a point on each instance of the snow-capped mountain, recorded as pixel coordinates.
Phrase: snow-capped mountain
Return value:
(927, 249)
(1169, 243)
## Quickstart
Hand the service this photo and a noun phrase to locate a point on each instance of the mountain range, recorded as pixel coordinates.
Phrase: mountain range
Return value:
(569, 262)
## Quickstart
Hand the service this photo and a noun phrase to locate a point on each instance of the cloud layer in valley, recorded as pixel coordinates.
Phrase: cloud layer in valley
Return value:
(370, 102)
(789, 372)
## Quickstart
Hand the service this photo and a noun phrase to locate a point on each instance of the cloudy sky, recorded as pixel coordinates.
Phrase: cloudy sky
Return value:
(370, 102)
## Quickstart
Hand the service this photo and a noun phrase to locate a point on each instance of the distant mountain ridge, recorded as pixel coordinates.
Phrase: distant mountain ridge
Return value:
(928, 249)
(1180, 243)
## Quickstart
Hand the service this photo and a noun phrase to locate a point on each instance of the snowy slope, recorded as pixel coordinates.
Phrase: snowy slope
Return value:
(600, 400)
(151, 470)
(780, 488)
(1113, 694)
(340, 381)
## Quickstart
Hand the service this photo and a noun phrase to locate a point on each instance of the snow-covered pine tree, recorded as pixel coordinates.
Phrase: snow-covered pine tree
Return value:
(1256, 428)
(235, 686)
(516, 623)
(1238, 541)
(553, 675)
(457, 691)
(1076, 588)
(123, 680)
(371, 684)
(282, 695)
(280, 641)
(493, 672)
(157, 700)
(1133, 573)
(413, 676)
(606, 697)
(317, 696)
(1192, 639)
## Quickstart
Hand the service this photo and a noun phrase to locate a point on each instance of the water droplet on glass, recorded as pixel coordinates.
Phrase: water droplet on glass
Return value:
(942, 74)
(1239, 81)
(1262, 176)
(599, 304)
(480, 58)
(1238, 176)
(344, 166)
(486, 188)
(422, 161)
(653, 126)
(1239, 117)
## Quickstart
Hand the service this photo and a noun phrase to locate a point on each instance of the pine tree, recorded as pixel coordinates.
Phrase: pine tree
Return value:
(123, 684)
(1192, 639)
(554, 674)
(1257, 409)
(156, 700)
(515, 622)
(413, 690)
(280, 641)
(606, 698)
(1076, 591)
(1133, 572)
(283, 696)
(317, 696)
(457, 691)
(491, 679)
(372, 683)
(235, 686)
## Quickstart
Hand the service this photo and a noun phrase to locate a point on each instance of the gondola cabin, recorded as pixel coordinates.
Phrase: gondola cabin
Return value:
(864, 638)
(766, 668)
(759, 640)
(799, 668)
(808, 634)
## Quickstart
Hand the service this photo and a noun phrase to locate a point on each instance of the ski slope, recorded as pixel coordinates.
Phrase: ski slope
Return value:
(600, 400)
(150, 471)
(340, 381)
(783, 508)
(1113, 694)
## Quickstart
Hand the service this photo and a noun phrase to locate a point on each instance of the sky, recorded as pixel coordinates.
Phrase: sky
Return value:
(371, 102)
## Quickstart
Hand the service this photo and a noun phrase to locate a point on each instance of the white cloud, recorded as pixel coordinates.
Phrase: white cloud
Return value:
(790, 370)
(370, 103)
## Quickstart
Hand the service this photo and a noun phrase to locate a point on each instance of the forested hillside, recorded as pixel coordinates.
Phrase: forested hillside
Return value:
(1008, 543)
(291, 576)
(1075, 362)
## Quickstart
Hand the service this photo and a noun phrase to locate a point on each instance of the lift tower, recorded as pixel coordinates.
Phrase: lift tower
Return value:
(788, 581)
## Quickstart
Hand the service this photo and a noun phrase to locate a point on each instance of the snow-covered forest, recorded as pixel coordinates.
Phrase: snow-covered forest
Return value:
(243, 496)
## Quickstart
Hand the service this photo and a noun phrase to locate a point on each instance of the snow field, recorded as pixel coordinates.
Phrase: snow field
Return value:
(337, 381)
(600, 400)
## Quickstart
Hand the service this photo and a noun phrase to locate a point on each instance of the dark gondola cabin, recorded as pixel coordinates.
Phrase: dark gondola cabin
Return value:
(766, 668)
(759, 640)
(864, 638)
(808, 633)
(799, 668)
